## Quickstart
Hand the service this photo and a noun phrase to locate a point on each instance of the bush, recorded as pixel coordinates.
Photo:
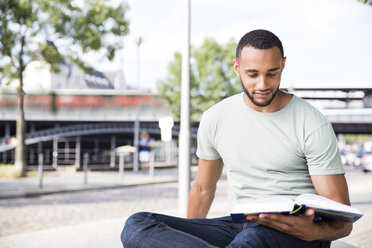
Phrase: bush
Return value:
(9, 171)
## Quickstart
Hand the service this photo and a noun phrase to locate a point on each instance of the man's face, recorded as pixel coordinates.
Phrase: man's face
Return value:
(260, 72)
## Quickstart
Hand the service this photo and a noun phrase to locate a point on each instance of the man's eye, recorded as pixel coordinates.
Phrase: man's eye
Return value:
(252, 75)
(271, 75)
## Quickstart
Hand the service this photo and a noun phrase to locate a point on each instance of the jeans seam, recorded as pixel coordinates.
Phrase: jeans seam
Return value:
(153, 218)
(134, 233)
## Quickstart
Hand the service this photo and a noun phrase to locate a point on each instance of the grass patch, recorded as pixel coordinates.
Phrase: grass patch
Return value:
(9, 171)
(33, 173)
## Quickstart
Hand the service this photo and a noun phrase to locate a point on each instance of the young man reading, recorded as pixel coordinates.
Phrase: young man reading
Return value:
(271, 143)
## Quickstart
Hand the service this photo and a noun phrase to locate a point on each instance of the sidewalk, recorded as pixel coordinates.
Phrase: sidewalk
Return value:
(63, 182)
(360, 188)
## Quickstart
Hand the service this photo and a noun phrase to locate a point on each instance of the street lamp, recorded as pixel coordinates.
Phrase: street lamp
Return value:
(184, 161)
(136, 121)
(138, 43)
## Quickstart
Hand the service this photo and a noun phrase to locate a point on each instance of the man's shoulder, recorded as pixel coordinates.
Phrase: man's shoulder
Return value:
(224, 105)
(312, 118)
(306, 107)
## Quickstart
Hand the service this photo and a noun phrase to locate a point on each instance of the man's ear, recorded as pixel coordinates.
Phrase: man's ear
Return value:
(236, 67)
(283, 62)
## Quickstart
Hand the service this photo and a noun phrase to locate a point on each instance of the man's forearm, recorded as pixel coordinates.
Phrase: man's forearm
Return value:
(332, 230)
(303, 227)
(200, 201)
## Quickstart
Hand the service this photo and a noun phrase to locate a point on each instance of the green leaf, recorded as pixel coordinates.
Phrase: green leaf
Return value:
(212, 78)
(97, 26)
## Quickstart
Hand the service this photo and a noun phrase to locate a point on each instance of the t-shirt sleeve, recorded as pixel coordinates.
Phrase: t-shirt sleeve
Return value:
(322, 153)
(205, 146)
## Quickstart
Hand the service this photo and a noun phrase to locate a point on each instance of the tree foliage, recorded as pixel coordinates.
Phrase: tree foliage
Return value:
(26, 26)
(29, 30)
(366, 1)
(212, 78)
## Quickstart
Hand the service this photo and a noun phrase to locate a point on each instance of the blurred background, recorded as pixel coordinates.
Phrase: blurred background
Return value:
(90, 96)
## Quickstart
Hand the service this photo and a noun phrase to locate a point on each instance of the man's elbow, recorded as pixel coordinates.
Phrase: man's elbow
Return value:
(345, 230)
(338, 230)
(203, 190)
(348, 229)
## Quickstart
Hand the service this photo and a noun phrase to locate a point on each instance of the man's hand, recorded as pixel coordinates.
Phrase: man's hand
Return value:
(300, 226)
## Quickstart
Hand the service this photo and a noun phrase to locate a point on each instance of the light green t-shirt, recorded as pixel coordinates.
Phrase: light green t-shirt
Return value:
(268, 154)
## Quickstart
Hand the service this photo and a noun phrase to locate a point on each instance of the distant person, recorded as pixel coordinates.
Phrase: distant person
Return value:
(144, 148)
(270, 143)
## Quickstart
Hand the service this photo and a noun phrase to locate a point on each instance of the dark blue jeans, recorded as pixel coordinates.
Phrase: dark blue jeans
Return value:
(150, 230)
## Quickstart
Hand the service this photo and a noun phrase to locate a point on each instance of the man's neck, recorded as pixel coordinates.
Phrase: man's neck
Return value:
(280, 101)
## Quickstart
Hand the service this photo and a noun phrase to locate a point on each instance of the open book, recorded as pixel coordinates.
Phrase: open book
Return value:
(324, 208)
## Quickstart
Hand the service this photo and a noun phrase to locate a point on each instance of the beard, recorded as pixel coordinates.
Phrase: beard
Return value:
(264, 104)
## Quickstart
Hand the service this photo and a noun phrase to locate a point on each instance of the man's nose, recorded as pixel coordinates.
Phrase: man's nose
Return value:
(262, 83)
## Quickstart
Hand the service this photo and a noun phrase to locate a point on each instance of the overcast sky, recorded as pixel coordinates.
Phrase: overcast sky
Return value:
(327, 42)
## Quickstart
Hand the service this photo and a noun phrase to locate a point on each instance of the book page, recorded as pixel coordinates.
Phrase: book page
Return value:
(274, 204)
(316, 201)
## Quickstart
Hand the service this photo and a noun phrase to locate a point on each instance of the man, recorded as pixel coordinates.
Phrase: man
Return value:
(271, 143)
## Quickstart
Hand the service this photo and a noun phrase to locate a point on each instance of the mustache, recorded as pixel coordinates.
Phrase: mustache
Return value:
(262, 91)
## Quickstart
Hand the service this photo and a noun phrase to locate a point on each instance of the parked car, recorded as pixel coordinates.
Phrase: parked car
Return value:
(367, 161)
(350, 158)
(358, 159)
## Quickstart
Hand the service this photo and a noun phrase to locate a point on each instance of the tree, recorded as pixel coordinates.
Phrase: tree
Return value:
(212, 78)
(366, 1)
(29, 27)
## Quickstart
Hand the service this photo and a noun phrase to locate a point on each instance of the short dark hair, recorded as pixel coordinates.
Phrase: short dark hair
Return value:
(259, 39)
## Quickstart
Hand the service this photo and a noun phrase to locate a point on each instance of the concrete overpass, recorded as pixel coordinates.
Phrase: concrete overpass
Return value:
(102, 121)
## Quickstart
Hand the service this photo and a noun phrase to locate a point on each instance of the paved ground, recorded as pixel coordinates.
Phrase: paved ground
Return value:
(69, 181)
(360, 189)
(94, 218)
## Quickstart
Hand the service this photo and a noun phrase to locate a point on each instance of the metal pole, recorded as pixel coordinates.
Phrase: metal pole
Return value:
(85, 167)
(32, 127)
(7, 132)
(5, 157)
(184, 138)
(121, 165)
(67, 150)
(168, 152)
(138, 42)
(137, 122)
(40, 169)
(77, 152)
(32, 156)
(152, 163)
(40, 147)
(112, 157)
(55, 152)
(135, 144)
(7, 137)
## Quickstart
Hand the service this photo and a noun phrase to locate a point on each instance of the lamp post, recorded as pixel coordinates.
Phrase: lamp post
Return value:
(136, 121)
(123, 151)
(184, 142)
(138, 43)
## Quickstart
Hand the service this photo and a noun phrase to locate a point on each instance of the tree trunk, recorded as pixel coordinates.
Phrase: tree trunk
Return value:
(20, 161)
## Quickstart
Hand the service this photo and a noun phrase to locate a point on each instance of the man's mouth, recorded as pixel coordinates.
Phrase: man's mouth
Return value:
(262, 94)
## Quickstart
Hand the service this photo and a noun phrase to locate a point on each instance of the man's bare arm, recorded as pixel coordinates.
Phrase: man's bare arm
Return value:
(203, 188)
(331, 186)
(335, 188)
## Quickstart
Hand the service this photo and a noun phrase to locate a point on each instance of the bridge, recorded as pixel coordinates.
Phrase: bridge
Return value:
(51, 134)
(70, 122)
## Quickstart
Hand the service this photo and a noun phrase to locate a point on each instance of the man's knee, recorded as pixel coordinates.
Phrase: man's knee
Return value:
(133, 226)
(253, 236)
(256, 235)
